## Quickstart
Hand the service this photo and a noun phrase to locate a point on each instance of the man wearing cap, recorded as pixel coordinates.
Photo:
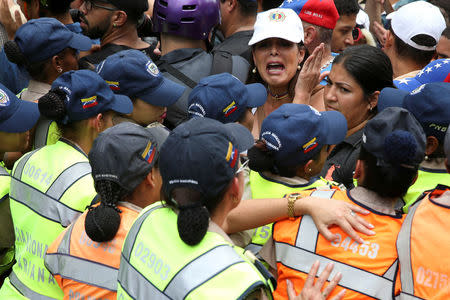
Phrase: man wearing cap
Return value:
(133, 74)
(114, 22)
(238, 17)
(411, 40)
(125, 187)
(319, 18)
(423, 244)
(16, 119)
(224, 98)
(430, 104)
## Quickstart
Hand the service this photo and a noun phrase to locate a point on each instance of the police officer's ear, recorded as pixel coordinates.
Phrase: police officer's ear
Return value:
(235, 191)
(102, 121)
(432, 145)
(119, 18)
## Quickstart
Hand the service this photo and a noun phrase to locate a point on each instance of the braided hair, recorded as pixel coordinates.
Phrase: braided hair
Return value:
(103, 221)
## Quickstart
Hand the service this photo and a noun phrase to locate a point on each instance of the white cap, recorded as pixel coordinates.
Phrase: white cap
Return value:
(415, 18)
(363, 19)
(281, 23)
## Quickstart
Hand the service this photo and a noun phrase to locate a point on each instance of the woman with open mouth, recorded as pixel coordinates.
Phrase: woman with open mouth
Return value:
(278, 52)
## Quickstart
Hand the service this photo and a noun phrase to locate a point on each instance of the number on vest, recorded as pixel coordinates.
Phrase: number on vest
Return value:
(367, 249)
(430, 278)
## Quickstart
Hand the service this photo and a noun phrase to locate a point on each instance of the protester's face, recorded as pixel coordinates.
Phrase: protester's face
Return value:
(342, 33)
(443, 48)
(277, 61)
(96, 21)
(14, 142)
(145, 113)
(344, 94)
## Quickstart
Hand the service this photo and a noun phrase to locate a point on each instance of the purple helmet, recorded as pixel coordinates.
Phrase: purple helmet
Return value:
(188, 18)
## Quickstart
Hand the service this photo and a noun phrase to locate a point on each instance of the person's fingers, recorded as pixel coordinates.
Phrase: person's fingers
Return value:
(318, 61)
(323, 75)
(324, 276)
(348, 229)
(312, 274)
(333, 283)
(339, 296)
(290, 290)
(327, 234)
(358, 209)
(18, 17)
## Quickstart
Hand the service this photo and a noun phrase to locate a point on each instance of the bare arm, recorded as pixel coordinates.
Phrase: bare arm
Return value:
(325, 213)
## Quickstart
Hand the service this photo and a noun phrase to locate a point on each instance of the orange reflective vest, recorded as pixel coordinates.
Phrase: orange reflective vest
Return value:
(85, 269)
(423, 246)
(367, 269)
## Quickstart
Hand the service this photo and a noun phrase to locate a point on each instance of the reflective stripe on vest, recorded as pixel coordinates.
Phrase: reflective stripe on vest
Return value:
(41, 133)
(3, 172)
(24, 290)
(194, 273)
(78, 269)
(191, 276)
(129, 278)
(404, 256)
(47, 204)
(300, 256)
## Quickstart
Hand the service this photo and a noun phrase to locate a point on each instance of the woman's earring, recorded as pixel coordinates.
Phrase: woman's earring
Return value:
(59, 70)
(254, 70)
(299, 67)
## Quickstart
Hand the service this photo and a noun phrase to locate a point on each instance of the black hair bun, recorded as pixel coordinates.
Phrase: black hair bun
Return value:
(51, 105)
(14, 54)
(192, 224)
(102, 223)
(260, 160)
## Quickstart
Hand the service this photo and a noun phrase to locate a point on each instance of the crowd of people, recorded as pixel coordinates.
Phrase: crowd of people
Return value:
(224, 149)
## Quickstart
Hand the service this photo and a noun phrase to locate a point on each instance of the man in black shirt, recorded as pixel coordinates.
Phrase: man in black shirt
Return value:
(238, 17)
(114, 22)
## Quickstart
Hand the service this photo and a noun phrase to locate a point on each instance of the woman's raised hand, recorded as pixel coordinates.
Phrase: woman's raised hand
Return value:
(309, 76)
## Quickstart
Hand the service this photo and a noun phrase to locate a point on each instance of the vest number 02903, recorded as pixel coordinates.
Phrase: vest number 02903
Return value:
(367, 249)
(151, 261)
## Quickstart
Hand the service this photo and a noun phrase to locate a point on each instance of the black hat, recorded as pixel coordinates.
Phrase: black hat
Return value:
(126, 153)
(395, 137)
(133, 7)
(203, 154)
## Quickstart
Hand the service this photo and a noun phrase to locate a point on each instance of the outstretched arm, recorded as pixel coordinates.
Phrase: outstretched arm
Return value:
(325, 213)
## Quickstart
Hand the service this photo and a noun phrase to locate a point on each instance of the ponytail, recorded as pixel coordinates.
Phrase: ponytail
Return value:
(103, 221)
